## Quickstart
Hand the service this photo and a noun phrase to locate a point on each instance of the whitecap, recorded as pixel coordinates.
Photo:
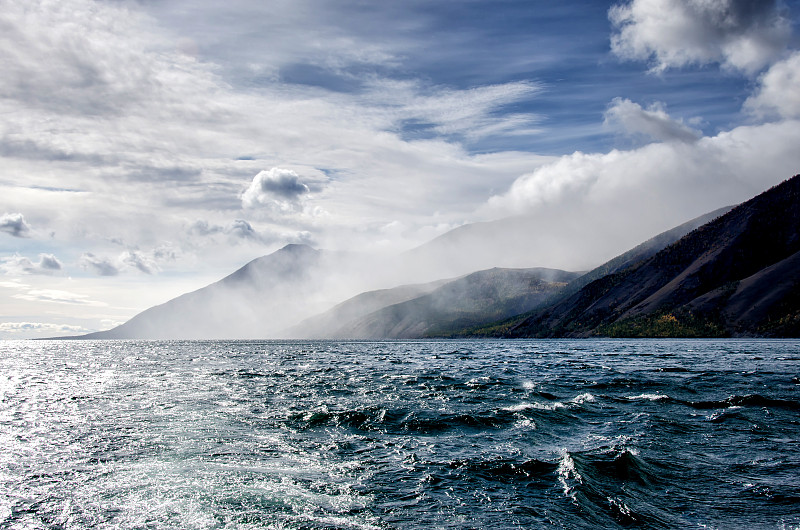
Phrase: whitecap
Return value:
(583, 398)
(567, 472)
(649, 397)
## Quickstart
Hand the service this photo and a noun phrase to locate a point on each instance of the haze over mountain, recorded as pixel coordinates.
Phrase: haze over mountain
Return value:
(438, 308)
(269, 296)
(736, 275)
(476, 299)
(258, 300)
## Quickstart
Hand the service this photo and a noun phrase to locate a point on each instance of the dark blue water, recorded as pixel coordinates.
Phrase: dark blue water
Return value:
(447, 434)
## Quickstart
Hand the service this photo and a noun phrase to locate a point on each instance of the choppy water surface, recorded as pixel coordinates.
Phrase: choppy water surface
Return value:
(449, 434)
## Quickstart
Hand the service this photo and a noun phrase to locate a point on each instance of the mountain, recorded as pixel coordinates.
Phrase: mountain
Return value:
(439, 308)
(735, 275)
(329, 323)
(738, 275)
(259, 299)
(623, 261)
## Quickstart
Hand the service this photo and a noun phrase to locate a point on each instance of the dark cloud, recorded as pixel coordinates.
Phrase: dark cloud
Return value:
(14, 224)
(283, 183)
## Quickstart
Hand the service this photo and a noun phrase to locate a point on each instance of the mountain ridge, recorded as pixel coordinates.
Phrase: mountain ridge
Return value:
(447, 305)
(686, 289)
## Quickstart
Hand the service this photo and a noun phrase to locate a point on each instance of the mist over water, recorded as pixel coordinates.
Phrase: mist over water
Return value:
(416, 434)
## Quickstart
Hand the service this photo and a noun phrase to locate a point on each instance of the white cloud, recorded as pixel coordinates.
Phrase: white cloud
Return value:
(778, 93)
(47, 264)
(243, 229)
(744, 35)
(652, 122)
(14, 224)
(621, 198)
(277, 187)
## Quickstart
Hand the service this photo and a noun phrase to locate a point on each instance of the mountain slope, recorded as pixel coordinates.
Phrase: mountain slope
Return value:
(260, 298)
(478, 298)
(619, 263)
(736, 275)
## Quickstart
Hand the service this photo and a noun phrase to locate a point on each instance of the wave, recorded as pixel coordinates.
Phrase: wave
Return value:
(749, 400)
(402, 420)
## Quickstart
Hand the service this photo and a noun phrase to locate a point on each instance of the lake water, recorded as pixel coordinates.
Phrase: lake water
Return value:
(422, 434)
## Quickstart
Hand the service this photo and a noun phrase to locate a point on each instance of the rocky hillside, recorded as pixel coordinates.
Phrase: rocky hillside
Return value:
(738, 275)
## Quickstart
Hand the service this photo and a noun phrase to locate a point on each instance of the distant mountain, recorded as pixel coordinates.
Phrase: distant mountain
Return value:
(330, 323)
(738, 275)
(439, 308)
(259, 299)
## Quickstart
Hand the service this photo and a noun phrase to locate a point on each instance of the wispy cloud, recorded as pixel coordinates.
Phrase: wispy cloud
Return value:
(42, 327)
(59, 297)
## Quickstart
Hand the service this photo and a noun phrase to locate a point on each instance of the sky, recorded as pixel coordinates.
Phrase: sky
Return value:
(148, 148)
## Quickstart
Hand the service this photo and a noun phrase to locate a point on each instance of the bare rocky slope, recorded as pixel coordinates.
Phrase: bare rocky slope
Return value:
(738, 275)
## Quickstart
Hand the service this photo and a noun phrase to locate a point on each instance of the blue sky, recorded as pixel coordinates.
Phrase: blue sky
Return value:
(561, 47)
(150, 147)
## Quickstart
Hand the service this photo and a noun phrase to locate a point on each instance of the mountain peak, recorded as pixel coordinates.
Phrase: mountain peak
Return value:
(297, 247)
